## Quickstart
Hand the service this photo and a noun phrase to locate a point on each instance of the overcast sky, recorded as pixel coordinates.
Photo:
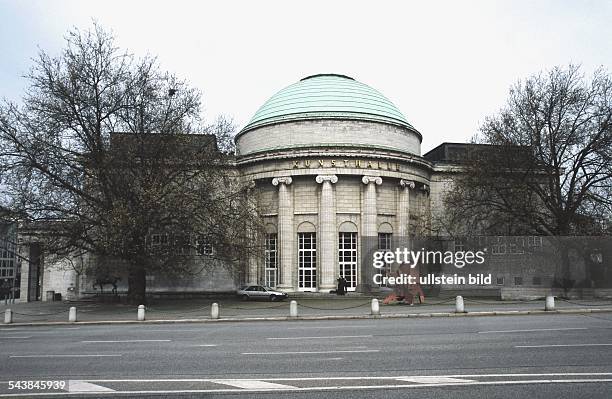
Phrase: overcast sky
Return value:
(445, 64)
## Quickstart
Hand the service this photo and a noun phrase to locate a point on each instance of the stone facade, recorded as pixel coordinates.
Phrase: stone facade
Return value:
(338, 179)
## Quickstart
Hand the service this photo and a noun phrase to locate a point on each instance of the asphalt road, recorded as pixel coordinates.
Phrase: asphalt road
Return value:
(548, 356)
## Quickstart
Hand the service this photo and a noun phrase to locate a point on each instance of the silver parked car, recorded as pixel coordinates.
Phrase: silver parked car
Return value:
(260, 292)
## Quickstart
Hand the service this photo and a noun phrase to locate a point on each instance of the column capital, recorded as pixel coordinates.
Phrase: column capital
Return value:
(330, 178)
(287, 180)
(371, 179)
(407, 184)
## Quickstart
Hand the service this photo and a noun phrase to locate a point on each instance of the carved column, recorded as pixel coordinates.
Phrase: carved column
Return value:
(286, 239)
(426, 209)
(369, 228)
(328, 237)
(254, 276)
(24, 255)
(403, 208)
(369, 212)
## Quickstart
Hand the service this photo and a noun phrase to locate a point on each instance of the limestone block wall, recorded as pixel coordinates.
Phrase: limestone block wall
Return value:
(298, 134)
(306, 194)
(348, 194)
(60, 277)
(441, 185)
(419, 212)
(267, 199)
(386, 197)
(213, 277)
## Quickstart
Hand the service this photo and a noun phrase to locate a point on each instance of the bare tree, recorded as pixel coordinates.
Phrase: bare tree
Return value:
(108, 151)
(542, 165)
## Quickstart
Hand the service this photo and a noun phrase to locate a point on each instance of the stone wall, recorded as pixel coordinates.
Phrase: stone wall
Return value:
(348, 194)
(298, 134)
(60, 277)
(386, 197)
(305, 195)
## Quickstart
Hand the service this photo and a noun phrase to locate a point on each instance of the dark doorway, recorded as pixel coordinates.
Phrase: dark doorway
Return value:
(34, 275)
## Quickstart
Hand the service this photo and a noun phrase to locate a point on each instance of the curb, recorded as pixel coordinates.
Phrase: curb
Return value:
(306, 318)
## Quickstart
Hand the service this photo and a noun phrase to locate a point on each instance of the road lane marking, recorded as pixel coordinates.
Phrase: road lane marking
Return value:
(327, 378)
(321, 327)
(310, 352)
(532, 330)
(328, 337)
(146, 330)
(86, 387)
(324, 388)
(207, 345)
(253, 384)
(126, 341)
(36, 330)
(559, 345)
(62, 355)
(15, 337)
(433, 380)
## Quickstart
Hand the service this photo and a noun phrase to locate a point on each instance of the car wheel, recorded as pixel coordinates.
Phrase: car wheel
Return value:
(273, 298)
(245, 297)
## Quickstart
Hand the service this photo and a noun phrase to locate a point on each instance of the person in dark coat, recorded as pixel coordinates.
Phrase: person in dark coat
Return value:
(344, 286)
(341, 286)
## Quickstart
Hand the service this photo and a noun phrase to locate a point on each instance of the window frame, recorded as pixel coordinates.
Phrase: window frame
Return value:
(307, 261)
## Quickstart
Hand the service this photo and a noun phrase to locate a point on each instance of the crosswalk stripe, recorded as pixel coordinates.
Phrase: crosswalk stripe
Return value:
(252, 384)
(433, 380)
(82, 386)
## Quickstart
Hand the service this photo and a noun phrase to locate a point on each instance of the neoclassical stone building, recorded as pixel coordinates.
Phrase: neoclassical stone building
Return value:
(336, 165)
(338, 174)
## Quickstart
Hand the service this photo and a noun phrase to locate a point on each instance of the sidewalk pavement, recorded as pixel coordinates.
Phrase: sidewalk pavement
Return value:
(230, 309)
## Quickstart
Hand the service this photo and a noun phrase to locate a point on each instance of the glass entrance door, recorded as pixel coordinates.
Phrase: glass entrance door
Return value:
(307, 261)
(347, 258)
(271, 261)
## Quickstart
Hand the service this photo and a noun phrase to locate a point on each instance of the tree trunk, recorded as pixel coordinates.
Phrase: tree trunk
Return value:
(137, 285)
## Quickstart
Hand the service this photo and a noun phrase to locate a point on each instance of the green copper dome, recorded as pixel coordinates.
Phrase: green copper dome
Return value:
(327, 96)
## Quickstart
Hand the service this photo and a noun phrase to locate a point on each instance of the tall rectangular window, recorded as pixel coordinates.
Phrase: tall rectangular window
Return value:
(516, 245)
(460, 244)
(271, 260)
(534, 241)
(204, 246)
(498, 245)
(347, 258)
(7, 258)
(384, 245)
(307, 261)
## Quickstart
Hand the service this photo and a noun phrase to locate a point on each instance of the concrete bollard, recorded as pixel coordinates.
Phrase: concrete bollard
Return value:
(72, 315)
(550, 303)
(141, 312)
(375, 308)
(8, 316)
(459, 308)
(293, 310)
(214, 311)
